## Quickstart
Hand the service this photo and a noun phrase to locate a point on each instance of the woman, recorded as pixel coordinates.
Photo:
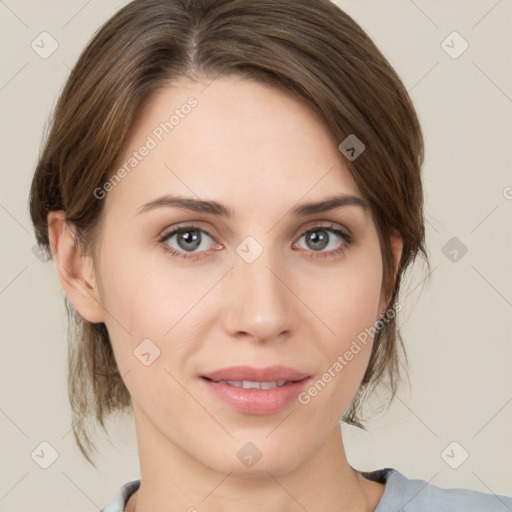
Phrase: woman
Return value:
(231, 194)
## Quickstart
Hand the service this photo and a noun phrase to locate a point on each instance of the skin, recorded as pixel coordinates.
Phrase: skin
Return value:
(261, 152)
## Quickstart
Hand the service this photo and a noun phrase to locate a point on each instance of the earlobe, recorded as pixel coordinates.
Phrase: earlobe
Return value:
(75, 271)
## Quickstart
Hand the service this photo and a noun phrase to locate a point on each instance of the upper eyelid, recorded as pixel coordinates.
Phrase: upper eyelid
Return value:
(172, 231)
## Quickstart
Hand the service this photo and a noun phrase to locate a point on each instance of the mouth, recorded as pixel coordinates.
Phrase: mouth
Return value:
(256, 391)
(252, 384)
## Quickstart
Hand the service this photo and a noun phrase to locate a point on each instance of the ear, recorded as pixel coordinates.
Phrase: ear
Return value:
(75, 271)
(396, 249)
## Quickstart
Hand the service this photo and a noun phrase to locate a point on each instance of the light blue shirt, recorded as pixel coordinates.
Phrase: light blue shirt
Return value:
(400, 495)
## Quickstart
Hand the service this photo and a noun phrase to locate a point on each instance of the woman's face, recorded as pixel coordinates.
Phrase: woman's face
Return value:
(255, 278)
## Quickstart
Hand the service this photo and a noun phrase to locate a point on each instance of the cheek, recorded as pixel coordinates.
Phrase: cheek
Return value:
(145, 297)
(348, 299)
(348, 302)
(136, 293)
(351, 309)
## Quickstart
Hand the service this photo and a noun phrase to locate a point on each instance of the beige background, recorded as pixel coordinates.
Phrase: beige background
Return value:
(457, 327)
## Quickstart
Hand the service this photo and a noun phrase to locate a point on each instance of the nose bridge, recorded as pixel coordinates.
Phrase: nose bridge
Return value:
(261, 306)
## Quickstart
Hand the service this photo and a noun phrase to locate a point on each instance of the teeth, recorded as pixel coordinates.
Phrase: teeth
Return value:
(249, 384)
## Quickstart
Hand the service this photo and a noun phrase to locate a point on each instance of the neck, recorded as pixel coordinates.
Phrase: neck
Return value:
(173, 480)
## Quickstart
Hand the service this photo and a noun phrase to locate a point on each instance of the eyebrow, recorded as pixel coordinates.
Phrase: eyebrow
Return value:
(215, 208)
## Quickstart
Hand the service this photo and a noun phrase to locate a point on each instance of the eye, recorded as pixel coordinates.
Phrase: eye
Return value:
(327, 240)
(186, 241)
(191, 242)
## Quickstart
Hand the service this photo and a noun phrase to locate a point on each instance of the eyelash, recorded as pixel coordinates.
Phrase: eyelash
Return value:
(348, 241)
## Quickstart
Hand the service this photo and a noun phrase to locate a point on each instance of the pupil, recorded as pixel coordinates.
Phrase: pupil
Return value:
(190, 239)
(318, 239)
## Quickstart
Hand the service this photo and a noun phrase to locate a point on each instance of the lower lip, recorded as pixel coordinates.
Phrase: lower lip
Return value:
(257, 401)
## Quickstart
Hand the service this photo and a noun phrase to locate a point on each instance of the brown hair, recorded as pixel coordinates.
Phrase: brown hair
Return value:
(310, 48)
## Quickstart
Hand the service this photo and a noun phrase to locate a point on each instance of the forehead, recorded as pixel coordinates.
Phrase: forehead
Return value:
(231, 139)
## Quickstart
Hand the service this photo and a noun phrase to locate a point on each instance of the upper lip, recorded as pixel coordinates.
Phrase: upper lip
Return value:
(249, 373)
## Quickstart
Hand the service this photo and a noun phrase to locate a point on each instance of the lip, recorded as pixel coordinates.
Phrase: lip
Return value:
(268, 374)
(256, 401)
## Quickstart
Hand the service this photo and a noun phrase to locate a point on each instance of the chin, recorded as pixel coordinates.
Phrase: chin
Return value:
(255, 459)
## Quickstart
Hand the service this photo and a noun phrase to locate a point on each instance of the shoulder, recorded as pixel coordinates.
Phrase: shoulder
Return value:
(413, 495)
(118, 501)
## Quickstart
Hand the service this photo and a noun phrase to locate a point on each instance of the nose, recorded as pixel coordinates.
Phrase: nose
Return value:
(261, 304)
